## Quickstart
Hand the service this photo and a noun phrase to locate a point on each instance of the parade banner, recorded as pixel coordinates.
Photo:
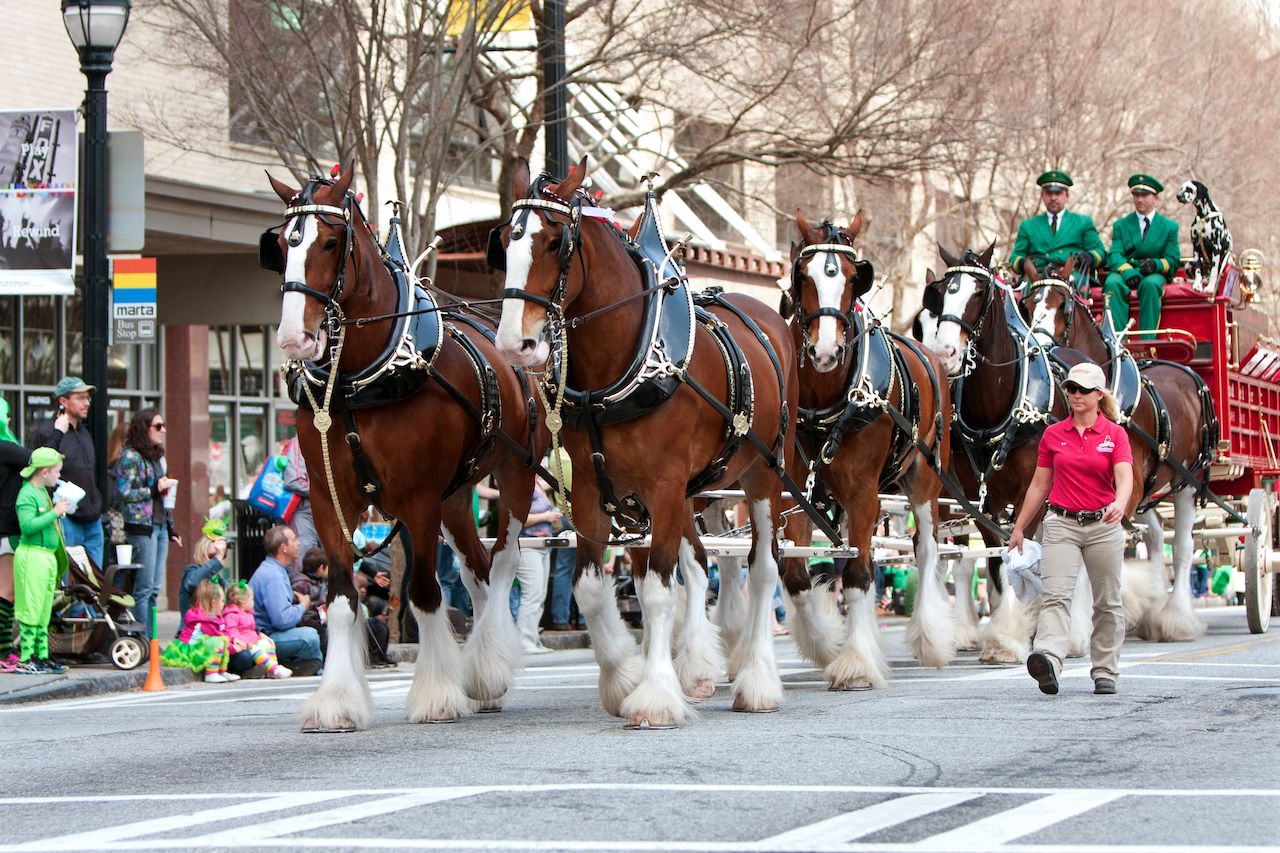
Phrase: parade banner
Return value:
(38, 173)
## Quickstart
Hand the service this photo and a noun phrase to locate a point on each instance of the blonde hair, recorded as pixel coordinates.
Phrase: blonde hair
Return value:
(208, 597)
(1108, 406)
(200, 555)
(241, 595)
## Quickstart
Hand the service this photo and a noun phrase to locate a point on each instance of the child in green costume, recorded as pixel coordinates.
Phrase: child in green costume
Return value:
(39, 561)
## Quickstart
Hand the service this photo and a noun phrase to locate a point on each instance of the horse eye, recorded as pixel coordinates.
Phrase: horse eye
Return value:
(330, 244)
(554, 245)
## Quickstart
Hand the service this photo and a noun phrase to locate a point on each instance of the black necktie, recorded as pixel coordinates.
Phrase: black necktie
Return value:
(1145, 222)
(1053, 224)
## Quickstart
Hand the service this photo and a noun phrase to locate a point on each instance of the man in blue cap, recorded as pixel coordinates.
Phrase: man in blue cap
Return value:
(1144, 254)
(68, 433)
(1059, 234)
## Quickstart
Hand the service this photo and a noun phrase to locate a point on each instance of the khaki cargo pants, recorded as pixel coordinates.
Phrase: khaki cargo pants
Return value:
(1100, 547)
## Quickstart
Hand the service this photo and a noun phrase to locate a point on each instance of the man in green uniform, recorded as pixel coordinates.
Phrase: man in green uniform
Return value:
(1059, 234)
(1144, 254)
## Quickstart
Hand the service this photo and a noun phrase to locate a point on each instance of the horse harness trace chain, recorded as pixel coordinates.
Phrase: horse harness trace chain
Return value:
(658, 368)
(400, 371)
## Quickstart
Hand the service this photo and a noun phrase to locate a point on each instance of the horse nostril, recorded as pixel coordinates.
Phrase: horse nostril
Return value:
(813, 351)
(527, 345)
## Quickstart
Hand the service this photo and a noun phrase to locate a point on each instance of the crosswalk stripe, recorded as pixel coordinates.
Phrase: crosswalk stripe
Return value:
(991, 832)
(253, 833)
(832, 833)
(236, 811)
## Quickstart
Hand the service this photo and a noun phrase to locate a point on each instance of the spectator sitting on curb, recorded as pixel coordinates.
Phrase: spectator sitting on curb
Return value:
(202, 645)
(312, 580)
(207, 562)
(250, 647)
(274, 610)
(379, 634)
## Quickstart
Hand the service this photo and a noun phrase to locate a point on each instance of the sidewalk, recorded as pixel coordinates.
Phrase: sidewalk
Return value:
(98, 679)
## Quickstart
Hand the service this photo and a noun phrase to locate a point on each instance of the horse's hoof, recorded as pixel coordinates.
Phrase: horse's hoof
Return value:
(312, 727)
(740, 705)
(702, 689)
(643, 724)
(851, 685)
(999, 657)
(493, 706)
(970, 648)
(436, 720)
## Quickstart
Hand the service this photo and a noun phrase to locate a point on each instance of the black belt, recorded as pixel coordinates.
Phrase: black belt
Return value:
(1080, 517)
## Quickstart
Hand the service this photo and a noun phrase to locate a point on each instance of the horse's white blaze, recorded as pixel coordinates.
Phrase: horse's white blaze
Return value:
(1045, 318)
(930, 631)
(699, 658)
(929, 331)
(511, 328)
(291, 335)
(948, 341)
(830, 288)
(658, 698)
(343, 698)
(436, 694)
(612, 643)
(758, 687)
(492, 652)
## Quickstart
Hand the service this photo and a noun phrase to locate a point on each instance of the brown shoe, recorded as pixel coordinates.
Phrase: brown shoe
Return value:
(1040, 667)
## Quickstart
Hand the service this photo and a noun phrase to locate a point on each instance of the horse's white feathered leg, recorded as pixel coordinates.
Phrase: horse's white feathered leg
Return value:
(700, 660)
(492, 653)
(657, 701)
(436, 694)
(1007, 638)
(815, 623)
(1176, 622)
(966, 609)
(861, 662)
(611, 641)
(930, 630)
(1081, 628)
(343, 699)
(758, 687)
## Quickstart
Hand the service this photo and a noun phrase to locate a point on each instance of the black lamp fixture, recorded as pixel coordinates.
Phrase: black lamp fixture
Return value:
(95, 28)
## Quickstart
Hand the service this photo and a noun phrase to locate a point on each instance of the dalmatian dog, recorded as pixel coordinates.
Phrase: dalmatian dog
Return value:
(1209, 236)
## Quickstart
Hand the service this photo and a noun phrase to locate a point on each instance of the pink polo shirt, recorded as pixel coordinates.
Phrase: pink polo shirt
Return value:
(1082, 463)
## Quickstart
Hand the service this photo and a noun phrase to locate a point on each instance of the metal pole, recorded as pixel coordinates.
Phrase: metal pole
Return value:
(94, 293)
(554, 103)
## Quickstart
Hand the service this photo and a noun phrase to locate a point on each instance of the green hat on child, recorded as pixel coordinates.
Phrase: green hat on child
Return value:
(41, 457)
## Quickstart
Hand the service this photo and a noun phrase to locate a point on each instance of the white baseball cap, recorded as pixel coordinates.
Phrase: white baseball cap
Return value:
(1088, 376)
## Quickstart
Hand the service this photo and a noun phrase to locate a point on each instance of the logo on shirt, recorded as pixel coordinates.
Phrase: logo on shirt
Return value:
(1106, 445)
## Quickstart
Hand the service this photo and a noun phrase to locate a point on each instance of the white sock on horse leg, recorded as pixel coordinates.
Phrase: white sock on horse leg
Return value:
(436, 694)
(611, 640)
(343, 699)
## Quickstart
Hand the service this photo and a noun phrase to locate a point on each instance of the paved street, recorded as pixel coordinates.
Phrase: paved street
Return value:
(1185, 758)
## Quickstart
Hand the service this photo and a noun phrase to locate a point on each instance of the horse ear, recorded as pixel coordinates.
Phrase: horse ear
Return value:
(1065, 273)
(985, 258)
(929, 277)
(344, 180)
(520, 178)
(947, 257)
(864, 277)
(803, 225)
(855, 227)
(282, 189)
(573, 180)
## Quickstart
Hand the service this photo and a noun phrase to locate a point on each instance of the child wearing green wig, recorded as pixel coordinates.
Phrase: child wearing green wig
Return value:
(13, 458)
(39, 560)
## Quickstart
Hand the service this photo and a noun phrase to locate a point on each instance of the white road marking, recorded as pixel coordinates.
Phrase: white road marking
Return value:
(836, 831)
(991, 832)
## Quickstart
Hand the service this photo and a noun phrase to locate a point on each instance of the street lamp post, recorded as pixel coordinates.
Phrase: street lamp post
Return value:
(95, 28)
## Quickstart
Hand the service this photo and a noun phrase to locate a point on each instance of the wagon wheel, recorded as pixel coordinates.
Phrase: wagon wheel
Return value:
(1257, 561)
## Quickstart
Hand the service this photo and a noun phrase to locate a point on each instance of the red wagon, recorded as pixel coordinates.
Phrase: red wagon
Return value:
(1224, 336)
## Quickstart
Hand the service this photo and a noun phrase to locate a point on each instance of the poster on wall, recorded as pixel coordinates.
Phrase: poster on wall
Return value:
(38, 172)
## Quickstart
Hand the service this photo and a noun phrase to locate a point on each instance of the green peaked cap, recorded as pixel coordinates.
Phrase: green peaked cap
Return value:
(1145, 184)
(1054, 180)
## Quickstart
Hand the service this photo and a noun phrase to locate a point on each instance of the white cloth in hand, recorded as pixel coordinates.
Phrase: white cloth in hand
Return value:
(69, 492)
(1023, 571)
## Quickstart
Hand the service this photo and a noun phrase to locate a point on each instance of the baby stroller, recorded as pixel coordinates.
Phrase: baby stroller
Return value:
(92, 615)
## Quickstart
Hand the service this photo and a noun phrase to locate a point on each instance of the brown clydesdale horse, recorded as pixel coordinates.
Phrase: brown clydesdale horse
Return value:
(563, 265)
(857, 450)
(1058, 312)
(427, 450)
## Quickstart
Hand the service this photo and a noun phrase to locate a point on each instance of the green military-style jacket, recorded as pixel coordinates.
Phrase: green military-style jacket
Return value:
(1076, 233)
(1129, 248)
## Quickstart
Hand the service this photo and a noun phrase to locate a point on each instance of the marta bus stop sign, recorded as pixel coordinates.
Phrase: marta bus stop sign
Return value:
(134, 304)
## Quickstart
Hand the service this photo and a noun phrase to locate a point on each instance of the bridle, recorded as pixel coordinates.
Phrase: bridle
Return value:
(270, 257)
(1069, 294)
(933, 300)
(540, 198)
(836, 244)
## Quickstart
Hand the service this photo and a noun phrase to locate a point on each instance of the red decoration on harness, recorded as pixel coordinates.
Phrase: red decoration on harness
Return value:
(336, 170)
(359, 197)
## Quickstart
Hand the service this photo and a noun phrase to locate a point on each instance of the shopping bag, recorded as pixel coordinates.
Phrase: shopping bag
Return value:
(268, 493)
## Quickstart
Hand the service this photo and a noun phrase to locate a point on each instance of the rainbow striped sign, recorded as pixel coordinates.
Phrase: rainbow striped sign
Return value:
(134, 300)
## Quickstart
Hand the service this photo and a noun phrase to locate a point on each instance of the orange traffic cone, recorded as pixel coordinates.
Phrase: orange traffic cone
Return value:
(154, 680)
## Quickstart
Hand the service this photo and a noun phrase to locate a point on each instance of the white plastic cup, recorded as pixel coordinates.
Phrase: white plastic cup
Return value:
(124, 554)
(170, 496)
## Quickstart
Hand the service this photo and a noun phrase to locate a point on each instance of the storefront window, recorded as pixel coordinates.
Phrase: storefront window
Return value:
(253, 445)
(39, 340)
(8, 334)
(251, 367)
(220, 452)
(220, 357)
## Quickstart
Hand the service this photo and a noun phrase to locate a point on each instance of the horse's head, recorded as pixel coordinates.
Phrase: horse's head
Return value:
(955, 305)
(313, 252)
(827, 279)
(1193, 191)
(535, 248)
(1048, 300)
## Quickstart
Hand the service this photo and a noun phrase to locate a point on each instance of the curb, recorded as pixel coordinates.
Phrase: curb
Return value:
(65, 687)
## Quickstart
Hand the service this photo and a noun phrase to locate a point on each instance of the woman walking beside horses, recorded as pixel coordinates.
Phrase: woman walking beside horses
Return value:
(1085, 469)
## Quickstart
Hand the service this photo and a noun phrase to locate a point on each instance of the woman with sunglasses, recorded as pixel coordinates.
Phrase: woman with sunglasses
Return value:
(140, 483)
(1085, 469)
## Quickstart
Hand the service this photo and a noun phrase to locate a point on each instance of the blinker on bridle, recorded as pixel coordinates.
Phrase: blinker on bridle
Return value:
(831, 267)
(569, 237)
(271, 258)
